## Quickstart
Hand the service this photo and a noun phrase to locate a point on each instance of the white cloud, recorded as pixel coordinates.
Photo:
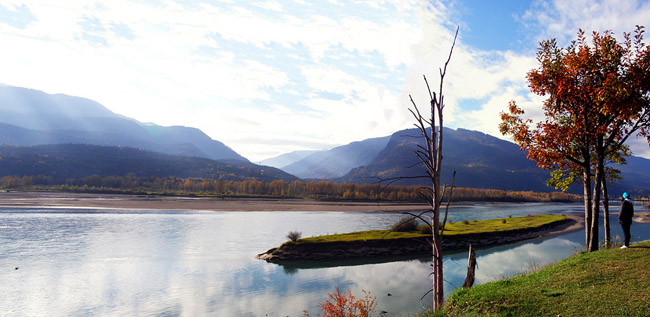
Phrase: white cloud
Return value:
(562, 19)
(319, 74)
(497, 77)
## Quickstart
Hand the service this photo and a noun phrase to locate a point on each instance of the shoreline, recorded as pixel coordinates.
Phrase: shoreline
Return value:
(14, 199)
(19, 199)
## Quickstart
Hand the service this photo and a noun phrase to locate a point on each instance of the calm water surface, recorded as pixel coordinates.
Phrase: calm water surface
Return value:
(135, 262)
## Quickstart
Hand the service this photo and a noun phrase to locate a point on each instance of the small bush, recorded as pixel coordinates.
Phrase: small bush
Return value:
(346, 304)
(405, 224)
(465, 222)
(425, 229)
(503, 220)
(294, 235)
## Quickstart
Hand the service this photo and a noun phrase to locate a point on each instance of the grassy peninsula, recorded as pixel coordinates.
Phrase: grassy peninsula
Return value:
(456, 228)
(603, 283)
(377, 243)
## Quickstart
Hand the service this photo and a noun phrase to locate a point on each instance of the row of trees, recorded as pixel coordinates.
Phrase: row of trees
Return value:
(256, 188)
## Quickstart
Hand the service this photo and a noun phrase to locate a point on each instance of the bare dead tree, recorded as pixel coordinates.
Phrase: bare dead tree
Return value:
(431, 157)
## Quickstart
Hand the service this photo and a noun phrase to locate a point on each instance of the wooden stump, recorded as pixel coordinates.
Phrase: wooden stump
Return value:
(471, 268)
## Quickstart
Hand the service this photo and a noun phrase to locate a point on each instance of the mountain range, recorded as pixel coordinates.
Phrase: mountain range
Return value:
(480, 161)
(73, 161)
(31, 117)
(61, 136)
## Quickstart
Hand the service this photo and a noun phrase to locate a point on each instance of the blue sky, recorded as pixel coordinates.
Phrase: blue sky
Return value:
(268, 77)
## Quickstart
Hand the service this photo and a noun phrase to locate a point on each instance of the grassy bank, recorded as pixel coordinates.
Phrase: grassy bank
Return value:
(456, 228)
(603, 283)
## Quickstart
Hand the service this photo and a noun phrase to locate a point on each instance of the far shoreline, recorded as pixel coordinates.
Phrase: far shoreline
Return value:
(19, 199)
(32, 199)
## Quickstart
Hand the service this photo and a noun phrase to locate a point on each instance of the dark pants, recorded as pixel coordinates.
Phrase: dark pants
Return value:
(626, 232)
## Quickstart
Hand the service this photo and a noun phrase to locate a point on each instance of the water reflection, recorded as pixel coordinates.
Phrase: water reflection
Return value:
(202, 263)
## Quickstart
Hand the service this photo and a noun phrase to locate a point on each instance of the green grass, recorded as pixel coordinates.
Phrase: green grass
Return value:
(456, 228)
(496, 225)
(603, 283)
(361, 236)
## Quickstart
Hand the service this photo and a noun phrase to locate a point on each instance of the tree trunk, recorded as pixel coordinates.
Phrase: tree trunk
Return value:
(438, 286)
(608, 239)
(594, 244)
(586, 179)
(595, 212)
(595, 209)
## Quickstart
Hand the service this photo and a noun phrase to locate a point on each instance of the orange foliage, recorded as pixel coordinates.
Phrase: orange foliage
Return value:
(255, 188)
(346, 305)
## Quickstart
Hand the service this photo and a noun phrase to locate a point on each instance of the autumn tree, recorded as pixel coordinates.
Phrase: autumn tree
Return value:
(598, 96)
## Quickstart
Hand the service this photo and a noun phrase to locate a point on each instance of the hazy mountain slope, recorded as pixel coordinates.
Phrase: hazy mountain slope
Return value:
(68, 119)
(64, 161)
(481, 161)
(285, 159)
(636, 177)
(337, 161)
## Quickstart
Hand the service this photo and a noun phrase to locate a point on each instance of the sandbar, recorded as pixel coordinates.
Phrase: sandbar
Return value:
(15, 199)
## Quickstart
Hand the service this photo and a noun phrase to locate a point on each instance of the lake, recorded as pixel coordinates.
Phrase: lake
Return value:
(84, 262)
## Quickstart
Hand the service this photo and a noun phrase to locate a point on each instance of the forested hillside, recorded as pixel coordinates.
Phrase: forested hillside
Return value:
(75, 161)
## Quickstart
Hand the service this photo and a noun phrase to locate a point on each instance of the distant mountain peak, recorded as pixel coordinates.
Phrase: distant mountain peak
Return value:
(69, 119)
(480, 160)
(337, 161)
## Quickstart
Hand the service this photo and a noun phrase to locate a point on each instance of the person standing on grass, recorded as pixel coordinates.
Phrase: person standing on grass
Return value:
(625, 218)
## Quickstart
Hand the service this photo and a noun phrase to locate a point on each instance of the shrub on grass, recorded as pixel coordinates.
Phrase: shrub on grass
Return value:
(503, 220)
(405, 224)
(425, 229)
(465, 222)
(294, 235)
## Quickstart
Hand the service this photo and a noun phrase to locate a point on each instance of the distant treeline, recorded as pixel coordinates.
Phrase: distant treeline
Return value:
(276, 189)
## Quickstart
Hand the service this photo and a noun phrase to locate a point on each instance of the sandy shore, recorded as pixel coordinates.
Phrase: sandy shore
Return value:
(110, 201)
(642, 216)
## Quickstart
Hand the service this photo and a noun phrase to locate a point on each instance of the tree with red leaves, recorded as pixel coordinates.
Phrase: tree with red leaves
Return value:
(598, 96)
